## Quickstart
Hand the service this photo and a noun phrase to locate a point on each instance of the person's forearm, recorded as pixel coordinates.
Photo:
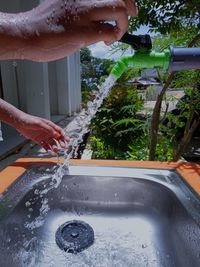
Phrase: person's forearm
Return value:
(17, 35)
(29, 35)
(10, 41)
(57, 28)
(10, 114)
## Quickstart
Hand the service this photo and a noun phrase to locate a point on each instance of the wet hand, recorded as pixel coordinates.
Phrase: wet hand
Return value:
(43, 132)
(57, 28)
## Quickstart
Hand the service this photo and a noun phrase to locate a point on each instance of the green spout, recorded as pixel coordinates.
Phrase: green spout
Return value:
(142, 59)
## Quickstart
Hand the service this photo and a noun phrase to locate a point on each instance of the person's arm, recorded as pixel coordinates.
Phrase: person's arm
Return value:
(57, 28)
(41, 131)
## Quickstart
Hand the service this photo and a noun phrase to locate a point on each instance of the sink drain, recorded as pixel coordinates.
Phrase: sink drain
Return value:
(74, 236)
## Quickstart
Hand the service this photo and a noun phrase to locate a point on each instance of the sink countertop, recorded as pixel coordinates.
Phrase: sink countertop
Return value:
(190, 172)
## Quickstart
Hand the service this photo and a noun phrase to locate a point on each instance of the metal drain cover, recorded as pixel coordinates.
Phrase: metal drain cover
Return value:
(74, 236)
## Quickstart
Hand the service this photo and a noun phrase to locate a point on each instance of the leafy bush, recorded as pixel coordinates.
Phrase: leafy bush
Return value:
(104, 151)
(117, 123)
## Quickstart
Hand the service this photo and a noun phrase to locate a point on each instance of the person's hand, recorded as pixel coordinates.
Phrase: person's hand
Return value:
(57, 28)
(43, 132)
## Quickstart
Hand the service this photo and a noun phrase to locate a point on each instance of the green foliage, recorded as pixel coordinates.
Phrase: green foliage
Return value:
(118, 131)
(93, 72)
(187, 108)
(138, 149)
(102, 150)
(164, 149)
(167, 16)
(186, 79)
(116, 124)
(174, 38)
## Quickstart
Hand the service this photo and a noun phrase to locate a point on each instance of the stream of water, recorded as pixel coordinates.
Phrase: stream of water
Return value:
(81, 126)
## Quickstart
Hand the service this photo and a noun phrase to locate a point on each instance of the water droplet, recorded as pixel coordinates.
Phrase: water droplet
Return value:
(37, 33)
(15, 64)
(28, 204)
(36, 192)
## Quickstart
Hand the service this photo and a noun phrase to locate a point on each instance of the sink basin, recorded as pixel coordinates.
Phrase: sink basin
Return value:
(140, 217)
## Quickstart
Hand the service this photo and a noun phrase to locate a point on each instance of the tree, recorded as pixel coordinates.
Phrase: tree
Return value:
(179, 19)
(163, 16)
(117, 124)
(93, 72)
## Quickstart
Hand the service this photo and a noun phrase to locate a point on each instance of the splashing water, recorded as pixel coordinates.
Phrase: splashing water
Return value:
(80, 128)
(84, 118)
(81, 125)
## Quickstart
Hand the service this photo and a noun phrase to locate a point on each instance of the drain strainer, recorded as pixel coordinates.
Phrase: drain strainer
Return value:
(74, 236)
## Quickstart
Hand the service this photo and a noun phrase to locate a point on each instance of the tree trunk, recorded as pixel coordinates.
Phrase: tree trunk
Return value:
(156, 118)
(188, 132)
(156, 112)
(185, 140)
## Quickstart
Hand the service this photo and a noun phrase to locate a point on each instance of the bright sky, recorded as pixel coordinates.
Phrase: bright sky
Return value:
(103, 51)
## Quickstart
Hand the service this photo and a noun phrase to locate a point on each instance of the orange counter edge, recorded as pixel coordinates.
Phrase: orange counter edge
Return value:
(189, 171)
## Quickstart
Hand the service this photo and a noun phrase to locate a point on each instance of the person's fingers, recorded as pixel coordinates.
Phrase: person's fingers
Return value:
(100, 32)
(43, 144)
(119, 15)
(61, 140)
(54, 145)
(66, 139)
(55, 132)
(60, 136)
(56, 135)
(53, 125)
(62, 143)
(131, 7)
(49, 145)
(47, 142)
(46, 127)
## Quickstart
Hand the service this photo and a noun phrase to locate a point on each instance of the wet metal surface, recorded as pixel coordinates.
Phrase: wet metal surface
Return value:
(140, 217)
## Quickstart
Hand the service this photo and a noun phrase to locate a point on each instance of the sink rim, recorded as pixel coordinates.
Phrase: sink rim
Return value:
(173, 181)
(190, 172)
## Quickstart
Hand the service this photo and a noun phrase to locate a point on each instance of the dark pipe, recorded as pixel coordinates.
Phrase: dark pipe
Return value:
(184, 58)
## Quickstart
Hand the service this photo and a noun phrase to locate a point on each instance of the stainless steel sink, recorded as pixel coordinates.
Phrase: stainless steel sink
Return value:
(140, 217)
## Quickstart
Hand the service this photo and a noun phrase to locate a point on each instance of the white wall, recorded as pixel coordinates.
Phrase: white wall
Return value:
(42, 89)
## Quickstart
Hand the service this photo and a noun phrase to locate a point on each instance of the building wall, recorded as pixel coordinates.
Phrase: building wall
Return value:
(42, 89)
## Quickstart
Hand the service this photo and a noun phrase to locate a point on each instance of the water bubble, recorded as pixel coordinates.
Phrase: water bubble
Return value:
(144, 245)
(28, 204)
(36, 192)
(14, 64)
